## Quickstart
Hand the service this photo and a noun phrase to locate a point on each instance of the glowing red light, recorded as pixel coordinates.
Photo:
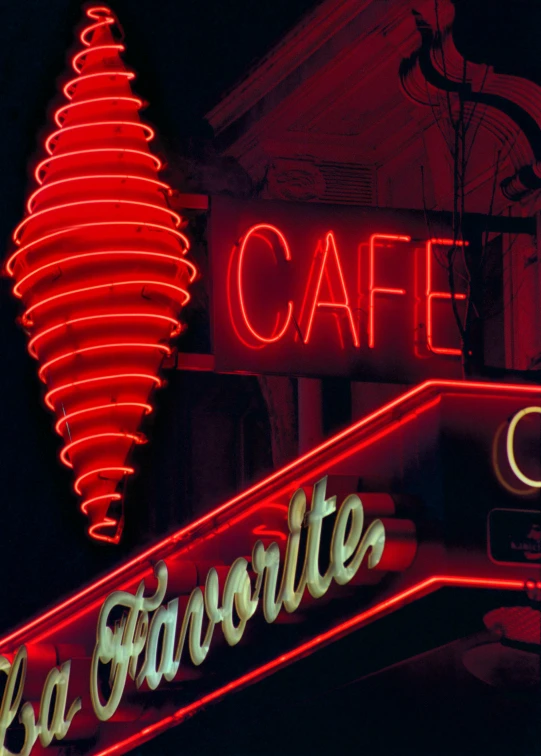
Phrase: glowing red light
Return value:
(374, 290)
(97, 379)
(99, 265)
(262, 231)
(96, 152)
(69, 86)
(175, 330)
(91, 177)
(60, 114)
(100, 471)
(147, 408)
(337, 305)
(29, 321)
(122, 345)
(317, 460)
(54, 265)
(435, 295)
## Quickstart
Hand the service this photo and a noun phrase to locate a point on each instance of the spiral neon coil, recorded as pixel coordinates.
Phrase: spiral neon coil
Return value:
(100, 266)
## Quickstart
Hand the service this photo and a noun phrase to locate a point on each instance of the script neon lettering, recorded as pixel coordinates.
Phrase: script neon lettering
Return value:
(432, 295)
(49, 724)
(120, 647)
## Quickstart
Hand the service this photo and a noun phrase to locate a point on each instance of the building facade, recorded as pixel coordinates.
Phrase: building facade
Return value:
(349, 277)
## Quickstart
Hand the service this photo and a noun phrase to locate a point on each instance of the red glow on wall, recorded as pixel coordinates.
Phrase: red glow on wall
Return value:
(100, 267)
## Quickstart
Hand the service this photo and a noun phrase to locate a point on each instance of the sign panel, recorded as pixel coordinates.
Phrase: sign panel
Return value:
(320, 290)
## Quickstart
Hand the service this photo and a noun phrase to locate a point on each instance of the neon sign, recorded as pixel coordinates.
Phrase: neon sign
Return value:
(316, 292)
(147, 643)
(52, 721)
(136, 632)
(100, 266)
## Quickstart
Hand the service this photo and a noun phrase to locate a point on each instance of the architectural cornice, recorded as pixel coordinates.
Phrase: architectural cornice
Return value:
(304, 40)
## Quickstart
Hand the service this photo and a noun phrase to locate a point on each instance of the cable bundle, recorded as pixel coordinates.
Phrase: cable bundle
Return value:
(101, 269)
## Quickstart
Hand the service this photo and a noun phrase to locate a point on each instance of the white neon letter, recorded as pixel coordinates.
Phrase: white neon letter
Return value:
(510, 445)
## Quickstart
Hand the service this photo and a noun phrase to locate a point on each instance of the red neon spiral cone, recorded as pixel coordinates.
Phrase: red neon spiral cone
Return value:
(101, 269)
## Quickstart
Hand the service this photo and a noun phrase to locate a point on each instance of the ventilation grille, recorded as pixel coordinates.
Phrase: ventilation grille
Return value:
(348, 184)
(304, 180)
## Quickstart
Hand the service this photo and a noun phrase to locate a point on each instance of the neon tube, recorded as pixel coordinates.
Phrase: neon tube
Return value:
(161, 284)
(120, 345)
(176, 325)
(104, 201)
(375, 290)
(79, 226)
(75, 278)
(100, 408)
(438, 295)
(330, 246)
(62, 111)
(347, 436)
(97, 472)
(95, 499)
(66, 450)
(97, 48)
(156, 162)
(417, 591)
(85, 77)
(278, 332)
(149, 133)
(109, 253)
(92, 177)
(86, 381)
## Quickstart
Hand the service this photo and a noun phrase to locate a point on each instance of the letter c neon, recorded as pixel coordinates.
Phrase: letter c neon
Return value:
(510, 443)
(253, 231)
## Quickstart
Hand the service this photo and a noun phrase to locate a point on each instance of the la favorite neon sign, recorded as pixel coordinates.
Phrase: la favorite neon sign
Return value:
(329, 291)
(147, 645)
(126, 657)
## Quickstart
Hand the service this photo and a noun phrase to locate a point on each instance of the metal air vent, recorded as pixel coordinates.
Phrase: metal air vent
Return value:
(348, 183)
(325, 181)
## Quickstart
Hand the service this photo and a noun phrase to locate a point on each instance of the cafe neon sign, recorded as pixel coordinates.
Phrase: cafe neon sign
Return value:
(265, 242)
(131, 648)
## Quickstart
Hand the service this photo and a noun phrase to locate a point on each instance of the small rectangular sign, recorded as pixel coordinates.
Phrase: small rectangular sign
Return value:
(514, 536)
(315, 290)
